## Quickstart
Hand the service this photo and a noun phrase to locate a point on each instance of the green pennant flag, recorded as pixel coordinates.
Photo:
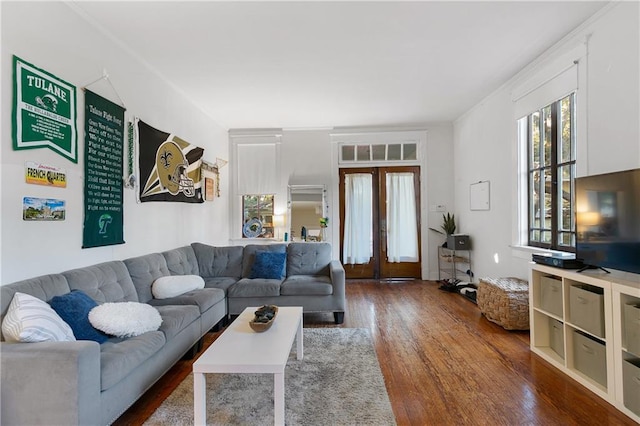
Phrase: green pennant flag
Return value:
(44, 111)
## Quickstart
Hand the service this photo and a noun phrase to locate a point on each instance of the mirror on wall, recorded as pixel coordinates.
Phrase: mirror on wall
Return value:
(306, 205)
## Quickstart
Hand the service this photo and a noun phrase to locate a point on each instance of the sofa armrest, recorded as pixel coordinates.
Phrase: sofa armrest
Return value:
(50, 383)
(336, 272)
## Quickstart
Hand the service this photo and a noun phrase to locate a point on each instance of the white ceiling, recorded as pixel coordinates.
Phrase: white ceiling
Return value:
(335, 64)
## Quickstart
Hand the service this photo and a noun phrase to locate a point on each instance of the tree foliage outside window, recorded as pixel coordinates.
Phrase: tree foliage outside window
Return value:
(259, 207)
(551, 173)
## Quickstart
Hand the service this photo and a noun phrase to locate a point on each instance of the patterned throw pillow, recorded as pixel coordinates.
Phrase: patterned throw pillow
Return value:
(30, 320)
(74, 308)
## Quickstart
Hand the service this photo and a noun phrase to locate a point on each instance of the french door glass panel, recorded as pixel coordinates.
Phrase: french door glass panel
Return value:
(401, 225)
(358, 223)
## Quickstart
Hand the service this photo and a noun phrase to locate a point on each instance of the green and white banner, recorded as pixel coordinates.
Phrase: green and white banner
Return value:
(103, 164)
(44, 111)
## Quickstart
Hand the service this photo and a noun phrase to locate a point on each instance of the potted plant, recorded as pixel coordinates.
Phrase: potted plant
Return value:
(324, 222)
(448, 225)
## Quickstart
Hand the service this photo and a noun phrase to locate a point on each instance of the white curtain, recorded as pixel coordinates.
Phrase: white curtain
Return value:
(402, 228)
(358, 221)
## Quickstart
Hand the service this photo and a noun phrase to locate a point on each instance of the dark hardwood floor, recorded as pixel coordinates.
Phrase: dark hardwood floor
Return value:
(443, 364)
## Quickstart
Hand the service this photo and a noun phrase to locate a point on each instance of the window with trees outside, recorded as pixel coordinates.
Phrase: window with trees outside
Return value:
(257, 215)
(550, 133)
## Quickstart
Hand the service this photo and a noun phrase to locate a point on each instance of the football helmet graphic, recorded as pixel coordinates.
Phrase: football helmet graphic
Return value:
(48, 102)
(172, 169)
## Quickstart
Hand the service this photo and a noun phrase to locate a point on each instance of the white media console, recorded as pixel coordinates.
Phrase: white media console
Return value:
(587, 325)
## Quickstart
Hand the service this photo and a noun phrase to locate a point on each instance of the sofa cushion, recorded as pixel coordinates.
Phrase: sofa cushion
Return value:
(175, 285)
(74, 308)
(270, 265)
(104, 282)
(125, 319)
(307, 285)
(218, 261)
(248, 255)
(257, 287)
(308, 259)
(204, 299)
(176, 318)
(30, 319)
(144, 270)
(223, 283)
(44, 288)
(182, 261)
(119, 357)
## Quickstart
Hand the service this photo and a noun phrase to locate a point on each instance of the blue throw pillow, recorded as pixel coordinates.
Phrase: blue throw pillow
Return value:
(269, 265)
(74, 309)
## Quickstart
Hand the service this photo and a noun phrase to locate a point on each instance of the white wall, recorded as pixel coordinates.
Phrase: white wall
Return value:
(305, 159)
(438, 191)
(309, 157)
(485, 139)
(484, 148)
(54, 37)
(613, 142)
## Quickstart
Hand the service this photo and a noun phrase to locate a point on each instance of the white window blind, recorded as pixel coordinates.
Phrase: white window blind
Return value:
(554, 89)
(258, 171)
(552, 82)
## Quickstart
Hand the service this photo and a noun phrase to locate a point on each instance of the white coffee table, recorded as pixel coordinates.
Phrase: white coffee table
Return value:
(241, 350)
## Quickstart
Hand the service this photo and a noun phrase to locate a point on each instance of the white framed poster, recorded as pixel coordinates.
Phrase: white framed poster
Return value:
(479, 196)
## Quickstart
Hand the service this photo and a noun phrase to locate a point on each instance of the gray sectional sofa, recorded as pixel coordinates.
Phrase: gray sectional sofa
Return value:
(86, 383)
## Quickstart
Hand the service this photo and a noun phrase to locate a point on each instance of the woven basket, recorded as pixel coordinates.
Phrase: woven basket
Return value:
(505, 301)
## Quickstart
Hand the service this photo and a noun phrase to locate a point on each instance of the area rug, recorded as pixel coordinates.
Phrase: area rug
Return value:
(338, 382)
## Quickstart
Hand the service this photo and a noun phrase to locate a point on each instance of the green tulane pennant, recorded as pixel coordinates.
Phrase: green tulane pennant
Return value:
(44, 111)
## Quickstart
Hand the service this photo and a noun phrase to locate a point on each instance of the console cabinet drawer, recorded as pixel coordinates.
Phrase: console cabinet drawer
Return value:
(551, 295)
(556, 336)
(632, 328)
(631, 382)
(586, 308)
(590, 357)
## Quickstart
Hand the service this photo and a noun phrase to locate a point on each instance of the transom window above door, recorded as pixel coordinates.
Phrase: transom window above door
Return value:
(378, 152)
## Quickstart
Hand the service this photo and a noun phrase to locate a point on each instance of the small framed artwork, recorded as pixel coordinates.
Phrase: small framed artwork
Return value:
(209, 189)
(43, 209)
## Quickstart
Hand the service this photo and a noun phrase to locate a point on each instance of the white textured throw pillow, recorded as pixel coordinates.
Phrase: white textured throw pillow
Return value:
(31, 320)
(175, 285)
(125, 319)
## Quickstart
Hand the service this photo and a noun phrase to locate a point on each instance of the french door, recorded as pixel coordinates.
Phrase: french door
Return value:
(380, 222)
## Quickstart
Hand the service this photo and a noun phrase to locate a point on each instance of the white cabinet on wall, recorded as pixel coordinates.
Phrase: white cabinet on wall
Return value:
(587, 325)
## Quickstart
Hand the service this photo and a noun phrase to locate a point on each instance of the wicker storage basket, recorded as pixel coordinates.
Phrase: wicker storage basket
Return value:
(505, 301)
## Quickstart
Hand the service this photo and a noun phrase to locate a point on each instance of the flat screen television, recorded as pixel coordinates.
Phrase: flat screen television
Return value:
(608, 220)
